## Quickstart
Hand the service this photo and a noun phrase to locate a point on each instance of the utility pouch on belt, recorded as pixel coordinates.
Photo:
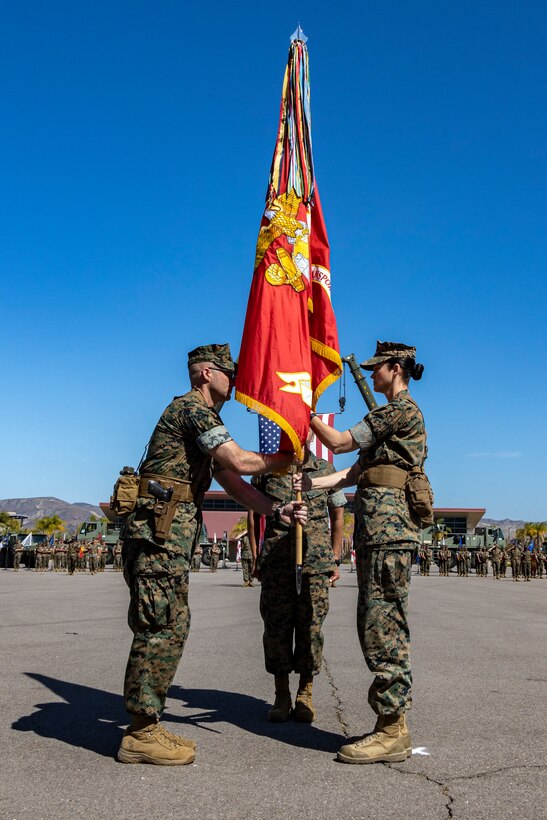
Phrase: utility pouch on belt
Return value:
(168, 493)
(415, 483)
(420, 497)
(126, 491)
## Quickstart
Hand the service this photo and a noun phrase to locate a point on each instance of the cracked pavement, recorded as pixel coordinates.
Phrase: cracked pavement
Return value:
(480, 682)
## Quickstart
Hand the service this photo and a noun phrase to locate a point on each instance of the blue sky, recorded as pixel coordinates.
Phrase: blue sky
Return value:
(136, 144)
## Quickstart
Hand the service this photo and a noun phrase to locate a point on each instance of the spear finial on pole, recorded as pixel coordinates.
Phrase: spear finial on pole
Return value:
(298, 34)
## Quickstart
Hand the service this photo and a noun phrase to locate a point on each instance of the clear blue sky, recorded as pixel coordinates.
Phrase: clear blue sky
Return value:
(136, 143)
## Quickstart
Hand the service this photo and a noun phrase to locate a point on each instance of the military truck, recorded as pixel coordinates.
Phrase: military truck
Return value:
(483, 536)
(109, 532)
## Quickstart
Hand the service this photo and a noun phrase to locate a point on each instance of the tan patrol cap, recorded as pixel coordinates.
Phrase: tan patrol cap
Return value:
(217, 354)
(389, 350)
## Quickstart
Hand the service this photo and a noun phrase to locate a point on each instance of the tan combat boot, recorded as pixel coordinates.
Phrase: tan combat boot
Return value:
(304, 710)
(281, 709)
(389, 743)
(146, 741)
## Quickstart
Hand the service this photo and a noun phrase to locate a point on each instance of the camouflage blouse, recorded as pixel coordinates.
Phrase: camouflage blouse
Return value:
(181, 446)
(382, 516)
(246, 551)
(279, 547)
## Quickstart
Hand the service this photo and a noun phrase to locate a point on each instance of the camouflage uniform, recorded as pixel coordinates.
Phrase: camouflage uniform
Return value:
(39, 558)
(503, 563)
(156, 570)
(446, 560)
(246, 561)
(196, 559)
(93, 557)
(17, 556)
(425, 560)
(495, 557)
(385, 537)
(515, 562)
(292, 638)
(117, 557)
(540, 561)
(214, 557)
(71, 556)
(526, 564)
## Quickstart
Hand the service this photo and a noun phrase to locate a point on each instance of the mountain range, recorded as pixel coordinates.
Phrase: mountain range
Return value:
(35, 508)
(74, 514)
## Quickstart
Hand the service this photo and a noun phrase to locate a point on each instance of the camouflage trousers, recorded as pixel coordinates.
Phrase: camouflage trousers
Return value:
(159, 618)
(246, 568)
(382, 625)
(292, 623)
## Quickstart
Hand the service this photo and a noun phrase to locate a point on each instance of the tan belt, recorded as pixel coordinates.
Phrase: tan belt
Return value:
(384, 475)
(182, 490)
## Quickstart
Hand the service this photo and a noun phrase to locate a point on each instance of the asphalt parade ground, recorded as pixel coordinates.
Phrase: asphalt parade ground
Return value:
(478, 722)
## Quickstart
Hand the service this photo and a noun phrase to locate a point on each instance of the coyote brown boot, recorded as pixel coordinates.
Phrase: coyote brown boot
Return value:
(146, 741)
(304, 710)
(281, 709)
(389, 743)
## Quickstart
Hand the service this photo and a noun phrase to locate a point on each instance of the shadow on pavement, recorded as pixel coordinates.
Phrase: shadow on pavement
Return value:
(93, 719)
(249, 714)
(90, 718)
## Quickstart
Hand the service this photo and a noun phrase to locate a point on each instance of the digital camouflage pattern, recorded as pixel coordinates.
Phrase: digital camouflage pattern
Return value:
(292, 623)
(445, 560)
(292, 637)
(246, 559)
(495, 558)
(214, 557)
(382, 625)
(246, 551)
(279, 547)
(389, 350)
(382, 515)
(385, 537)
(216, 354)
(157, 572)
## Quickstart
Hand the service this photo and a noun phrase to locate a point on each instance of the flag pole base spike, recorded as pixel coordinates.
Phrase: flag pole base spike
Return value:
(298, 579)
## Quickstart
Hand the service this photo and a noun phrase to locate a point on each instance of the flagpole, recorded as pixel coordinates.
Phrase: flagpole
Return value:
(298, 563)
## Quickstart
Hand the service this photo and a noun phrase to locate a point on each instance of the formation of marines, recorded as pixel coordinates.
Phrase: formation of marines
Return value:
(70, 556)
(525, 562)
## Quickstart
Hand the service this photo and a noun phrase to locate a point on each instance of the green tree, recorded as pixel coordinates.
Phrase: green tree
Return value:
(535, 530)
(348, 526)
(50, 524)
(440, 531)
(239, 527)
(6, 522)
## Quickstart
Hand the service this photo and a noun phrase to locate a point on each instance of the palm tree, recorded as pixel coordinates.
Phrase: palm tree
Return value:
(50, 524)
(520, 533)
(6, 522)
(535, 529)
(239, 527)
(440, 531)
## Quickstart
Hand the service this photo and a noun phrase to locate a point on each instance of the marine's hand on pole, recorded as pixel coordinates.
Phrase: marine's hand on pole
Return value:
(295, 512)
(301, 482)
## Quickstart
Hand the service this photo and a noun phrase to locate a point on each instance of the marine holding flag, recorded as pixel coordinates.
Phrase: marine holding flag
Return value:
(289, 355)
(391, 441)
(188, 445)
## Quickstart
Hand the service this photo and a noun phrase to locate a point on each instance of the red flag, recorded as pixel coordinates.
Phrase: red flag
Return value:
(317, 447)
(289, 351)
